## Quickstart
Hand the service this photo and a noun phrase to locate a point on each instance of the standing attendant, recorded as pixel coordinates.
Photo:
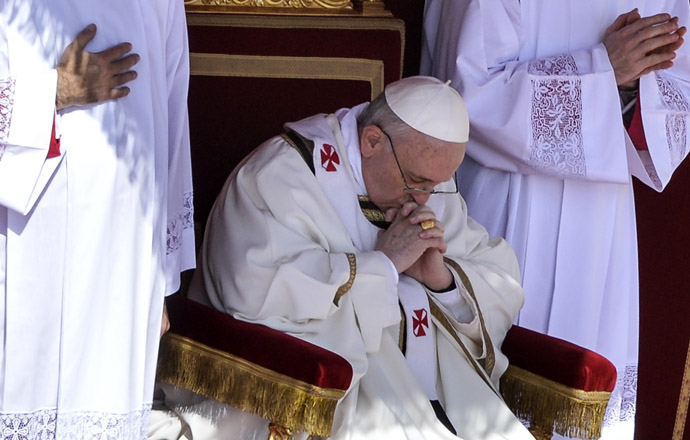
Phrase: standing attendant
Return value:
(95, 210)
(568, 101)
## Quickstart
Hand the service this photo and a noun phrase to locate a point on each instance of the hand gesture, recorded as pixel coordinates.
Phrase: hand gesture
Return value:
(637, 46)
(414, 250)
(86, 78)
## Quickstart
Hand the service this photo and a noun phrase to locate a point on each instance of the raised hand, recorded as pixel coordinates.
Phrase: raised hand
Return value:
(86, 78)
(637, 46)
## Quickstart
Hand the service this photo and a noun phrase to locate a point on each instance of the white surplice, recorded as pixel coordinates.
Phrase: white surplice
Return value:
(91, 240)
(275, 253)
(550, 163)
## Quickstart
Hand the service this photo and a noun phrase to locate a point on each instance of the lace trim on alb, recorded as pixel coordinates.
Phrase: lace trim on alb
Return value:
(556, 118)
(623, 398)
(676, 128)
(183, 220)
(6, 105)
(48, 424)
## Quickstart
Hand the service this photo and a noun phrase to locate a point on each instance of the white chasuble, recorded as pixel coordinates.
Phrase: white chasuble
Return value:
(275, 253)
(550, 163)
(94, 238)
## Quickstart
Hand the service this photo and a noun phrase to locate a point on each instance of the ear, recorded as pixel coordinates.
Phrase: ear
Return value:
(370, 141)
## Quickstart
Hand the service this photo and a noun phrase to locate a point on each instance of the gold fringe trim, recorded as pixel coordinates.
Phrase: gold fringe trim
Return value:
(285, 401)
(342, 290)
(552, 406)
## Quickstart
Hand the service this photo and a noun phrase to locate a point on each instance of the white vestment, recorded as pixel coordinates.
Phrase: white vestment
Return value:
(550, 163)
(276, 252)
(91, 240)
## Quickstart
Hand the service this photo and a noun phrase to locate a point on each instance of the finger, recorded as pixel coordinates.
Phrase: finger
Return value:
(659, 66)
(659, 45)
(632, 16)
(118, 93)
(436, 231)
(436, 243)
(84, 37)
(658, 58)
(672, 47)
(124, 78)
(422, 216)
(422, 210)
(391, 213)
(407, 208)
(117, 51)
(126, 63)
(670, 28)
(645, 22)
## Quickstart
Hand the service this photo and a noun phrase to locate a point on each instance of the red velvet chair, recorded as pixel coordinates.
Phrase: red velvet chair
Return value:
(555, 385)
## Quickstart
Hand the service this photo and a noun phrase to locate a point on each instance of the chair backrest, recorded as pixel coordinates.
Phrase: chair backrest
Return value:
(250, 74)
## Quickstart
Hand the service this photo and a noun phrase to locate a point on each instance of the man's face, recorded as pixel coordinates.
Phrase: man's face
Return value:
(424, 161)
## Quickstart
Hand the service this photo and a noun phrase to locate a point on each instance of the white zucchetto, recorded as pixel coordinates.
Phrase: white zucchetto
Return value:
(430, 106)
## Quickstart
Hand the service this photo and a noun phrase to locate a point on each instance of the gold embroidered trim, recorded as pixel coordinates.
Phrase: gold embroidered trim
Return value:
(552, 406)
(251, 66)
(218, 375)
(342, 290)
(441, 317)
(683, 401)
(490, 359)
(402, 335)
(374, 215)
(371, 214)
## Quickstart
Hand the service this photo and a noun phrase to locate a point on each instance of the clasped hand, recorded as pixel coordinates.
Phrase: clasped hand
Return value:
(637, 46)
(86, 78)
(414, 251)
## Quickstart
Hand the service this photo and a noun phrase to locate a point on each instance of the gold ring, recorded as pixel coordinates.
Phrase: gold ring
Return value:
(427, 224)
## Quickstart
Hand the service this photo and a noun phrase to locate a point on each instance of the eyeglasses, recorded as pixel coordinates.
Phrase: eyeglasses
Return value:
(413, 191)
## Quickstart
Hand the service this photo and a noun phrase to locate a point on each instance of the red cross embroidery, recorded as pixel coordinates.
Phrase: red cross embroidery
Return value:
(419, 321)
(329, 158)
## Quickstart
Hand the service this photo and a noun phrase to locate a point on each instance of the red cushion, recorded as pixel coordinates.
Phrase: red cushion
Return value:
(258, 344)
(559, 360)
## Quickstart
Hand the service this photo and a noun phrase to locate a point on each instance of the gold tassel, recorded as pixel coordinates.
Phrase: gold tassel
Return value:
(285, 401)
(551, 406)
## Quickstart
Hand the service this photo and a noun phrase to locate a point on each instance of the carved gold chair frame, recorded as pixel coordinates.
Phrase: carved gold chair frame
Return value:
(328, 7)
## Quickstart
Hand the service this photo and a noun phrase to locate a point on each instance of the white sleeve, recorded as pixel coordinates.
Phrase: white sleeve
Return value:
(27, 112)
(527, 116)
(665, 104)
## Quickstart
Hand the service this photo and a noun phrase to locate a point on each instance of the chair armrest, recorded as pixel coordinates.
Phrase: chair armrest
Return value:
(259, 370)
(555, 385)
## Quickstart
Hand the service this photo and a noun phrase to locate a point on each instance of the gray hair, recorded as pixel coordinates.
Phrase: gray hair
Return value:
(380, 114)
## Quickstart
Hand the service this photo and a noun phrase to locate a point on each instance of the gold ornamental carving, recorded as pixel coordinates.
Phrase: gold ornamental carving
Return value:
(297, 4)
(278, 432)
